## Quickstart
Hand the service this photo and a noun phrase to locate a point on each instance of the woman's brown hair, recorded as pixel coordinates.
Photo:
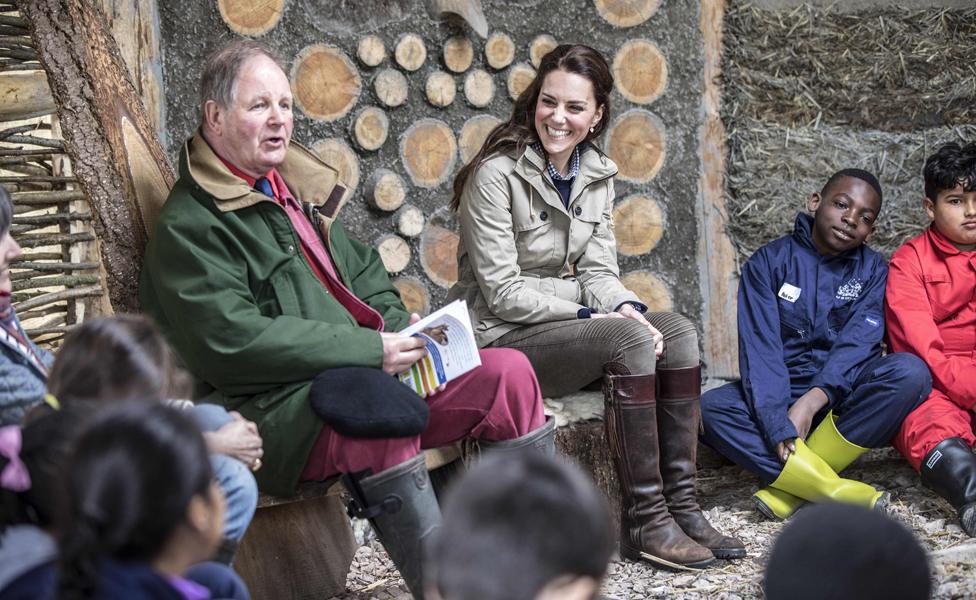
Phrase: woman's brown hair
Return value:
(519, 131)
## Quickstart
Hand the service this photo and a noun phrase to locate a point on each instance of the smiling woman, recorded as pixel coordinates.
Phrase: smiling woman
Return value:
(537, 265)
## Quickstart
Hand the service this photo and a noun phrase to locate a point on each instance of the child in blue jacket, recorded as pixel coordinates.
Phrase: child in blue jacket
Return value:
(815, 391)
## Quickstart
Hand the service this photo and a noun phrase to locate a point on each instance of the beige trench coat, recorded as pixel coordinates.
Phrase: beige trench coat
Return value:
(523, 257)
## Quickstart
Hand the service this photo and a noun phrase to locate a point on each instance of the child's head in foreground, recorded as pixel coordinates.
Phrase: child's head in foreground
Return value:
(839, 551)
(531, 527)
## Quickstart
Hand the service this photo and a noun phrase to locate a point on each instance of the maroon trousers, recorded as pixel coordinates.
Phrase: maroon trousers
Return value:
(500, 400)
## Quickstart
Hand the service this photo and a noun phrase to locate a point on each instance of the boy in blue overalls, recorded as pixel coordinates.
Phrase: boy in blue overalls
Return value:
(815, 392)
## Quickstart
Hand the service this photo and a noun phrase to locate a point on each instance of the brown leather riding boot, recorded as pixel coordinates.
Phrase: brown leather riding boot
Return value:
(647, 530)
(678, 416)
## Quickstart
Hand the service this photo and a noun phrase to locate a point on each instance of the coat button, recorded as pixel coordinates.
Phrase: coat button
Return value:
(543, 215)
(578, 210)
(291, 249)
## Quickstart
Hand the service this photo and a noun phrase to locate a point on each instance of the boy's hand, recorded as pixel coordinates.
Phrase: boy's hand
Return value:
(803, 410)
(785, 448)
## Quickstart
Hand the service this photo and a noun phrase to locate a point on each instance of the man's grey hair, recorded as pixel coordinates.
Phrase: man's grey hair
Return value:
(219, 79)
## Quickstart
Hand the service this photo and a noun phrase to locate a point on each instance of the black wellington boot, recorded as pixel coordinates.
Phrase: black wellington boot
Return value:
(950, 470)
(400, 504)
(541, 440)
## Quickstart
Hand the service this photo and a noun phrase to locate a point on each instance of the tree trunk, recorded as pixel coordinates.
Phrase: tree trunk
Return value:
(117, 159)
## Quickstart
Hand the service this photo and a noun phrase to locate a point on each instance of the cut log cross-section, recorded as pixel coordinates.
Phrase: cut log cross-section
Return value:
(474, 132)
(371, 51)
(250, 17)
(636, 143)
(638, 225)
(458, 54)
(385, 190)
(338, 155)
(326, 82)
(394, 251)
(414, 294)
(499, 50)
(428, 151)
(410, 221)
(440, 89)
(540, 46)
(640, 71)
(479, 88)
(410, 51)
(438, 254)
(370, 129)
(650, 289)
(519, 77)
(117, 159)
(626, 13)
(391, 87)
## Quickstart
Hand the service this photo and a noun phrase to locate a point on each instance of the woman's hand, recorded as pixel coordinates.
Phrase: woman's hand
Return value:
(629, 312)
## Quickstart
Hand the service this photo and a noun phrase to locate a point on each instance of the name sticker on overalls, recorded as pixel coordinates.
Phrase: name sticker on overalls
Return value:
(788, 292)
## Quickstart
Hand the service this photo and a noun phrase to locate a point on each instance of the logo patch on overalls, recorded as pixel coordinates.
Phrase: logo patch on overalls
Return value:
(788, 292)
(850, 290)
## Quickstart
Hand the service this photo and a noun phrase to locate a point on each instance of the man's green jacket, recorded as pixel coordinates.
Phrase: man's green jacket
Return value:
(226, 281)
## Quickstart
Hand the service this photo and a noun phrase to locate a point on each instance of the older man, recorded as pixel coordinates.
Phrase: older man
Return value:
(270, 304)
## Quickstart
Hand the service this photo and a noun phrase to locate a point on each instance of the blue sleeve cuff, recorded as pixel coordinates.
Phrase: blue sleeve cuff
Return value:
(638, 306)
(783, 431)
(584, 313)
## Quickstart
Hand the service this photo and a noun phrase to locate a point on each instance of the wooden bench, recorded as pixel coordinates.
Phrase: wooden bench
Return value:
(301, 546)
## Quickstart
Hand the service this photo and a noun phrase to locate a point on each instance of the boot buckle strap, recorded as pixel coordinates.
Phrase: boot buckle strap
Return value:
(389, 505)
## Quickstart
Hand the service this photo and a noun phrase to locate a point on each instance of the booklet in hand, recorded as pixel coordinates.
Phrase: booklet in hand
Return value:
(451, 349)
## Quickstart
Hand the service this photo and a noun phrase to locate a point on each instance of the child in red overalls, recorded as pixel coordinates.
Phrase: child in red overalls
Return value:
(930, 309)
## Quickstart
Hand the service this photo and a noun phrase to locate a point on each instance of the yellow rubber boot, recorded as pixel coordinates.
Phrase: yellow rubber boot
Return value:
(808, 476)
(827, 443)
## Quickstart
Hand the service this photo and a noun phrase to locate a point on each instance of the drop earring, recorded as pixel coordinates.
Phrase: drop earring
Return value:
(591, 129)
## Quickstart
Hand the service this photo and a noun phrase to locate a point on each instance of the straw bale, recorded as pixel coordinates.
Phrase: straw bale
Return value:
(774, 169)
(891, 69)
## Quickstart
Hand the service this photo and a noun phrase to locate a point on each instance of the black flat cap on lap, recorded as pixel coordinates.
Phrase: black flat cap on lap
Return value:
(367, 403)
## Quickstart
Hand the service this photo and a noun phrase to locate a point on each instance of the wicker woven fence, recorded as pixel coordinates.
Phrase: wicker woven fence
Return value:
(58, 281)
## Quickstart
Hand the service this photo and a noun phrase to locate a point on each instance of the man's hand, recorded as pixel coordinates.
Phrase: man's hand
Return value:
(238, 439)
(803, 410)
(414, 317)
(785, 448)
(400, 351)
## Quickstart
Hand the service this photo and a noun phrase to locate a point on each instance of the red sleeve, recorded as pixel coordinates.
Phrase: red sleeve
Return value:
(912, 328)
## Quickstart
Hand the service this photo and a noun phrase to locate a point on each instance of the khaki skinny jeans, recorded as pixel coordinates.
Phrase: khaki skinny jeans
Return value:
(569, 355)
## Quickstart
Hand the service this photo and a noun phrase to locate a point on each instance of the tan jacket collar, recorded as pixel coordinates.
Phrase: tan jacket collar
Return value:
(594, 165)
(308, 178)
